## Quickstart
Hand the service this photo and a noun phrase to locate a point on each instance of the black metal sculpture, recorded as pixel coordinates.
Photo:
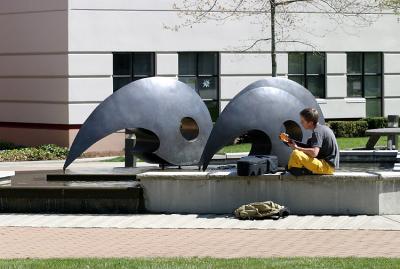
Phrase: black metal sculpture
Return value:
(263, 110)
(291, 87)
(170, 121)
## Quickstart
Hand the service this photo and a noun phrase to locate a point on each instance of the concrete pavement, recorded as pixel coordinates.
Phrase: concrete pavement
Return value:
(220, 243)
(193, 221)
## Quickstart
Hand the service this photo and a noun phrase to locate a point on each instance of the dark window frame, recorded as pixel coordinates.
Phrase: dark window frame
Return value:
(132, 76)
(197, 75)
(364, 74)
(305, 74)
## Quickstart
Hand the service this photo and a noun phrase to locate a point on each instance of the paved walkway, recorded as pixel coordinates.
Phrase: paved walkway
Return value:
(63, 236)
(193, 221)
(223, 243)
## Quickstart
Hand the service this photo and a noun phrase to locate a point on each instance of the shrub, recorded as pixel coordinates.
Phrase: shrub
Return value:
(45, 152)
(376, 122)
(348, 128)
(8, 145)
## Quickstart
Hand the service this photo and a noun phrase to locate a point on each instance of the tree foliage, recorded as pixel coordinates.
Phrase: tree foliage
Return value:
(392, 4)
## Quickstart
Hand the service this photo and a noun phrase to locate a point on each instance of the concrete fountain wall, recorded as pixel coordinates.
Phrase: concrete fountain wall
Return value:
(345, 193)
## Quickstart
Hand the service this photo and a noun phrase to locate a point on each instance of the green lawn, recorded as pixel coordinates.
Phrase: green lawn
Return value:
(358, 142)
(204, 263)
(116, 159)
(344, 143)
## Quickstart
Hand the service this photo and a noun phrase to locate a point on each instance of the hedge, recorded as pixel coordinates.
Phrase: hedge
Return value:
(348, 128)
(45, 152)
(376, 122)
(8, 145)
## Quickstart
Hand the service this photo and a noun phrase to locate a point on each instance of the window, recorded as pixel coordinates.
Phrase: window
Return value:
(308, 69)
(128, 67)
(364, 79)
(200, 70)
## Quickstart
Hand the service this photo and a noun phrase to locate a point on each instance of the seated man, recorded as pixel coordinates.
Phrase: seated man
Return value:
(321, 153)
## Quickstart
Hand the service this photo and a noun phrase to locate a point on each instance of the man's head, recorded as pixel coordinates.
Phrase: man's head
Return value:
(309, 118)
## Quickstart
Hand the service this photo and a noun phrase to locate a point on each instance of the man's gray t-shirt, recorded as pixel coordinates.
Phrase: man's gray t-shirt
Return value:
(324, 138)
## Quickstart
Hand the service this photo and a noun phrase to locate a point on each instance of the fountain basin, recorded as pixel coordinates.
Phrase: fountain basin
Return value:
(221, 192)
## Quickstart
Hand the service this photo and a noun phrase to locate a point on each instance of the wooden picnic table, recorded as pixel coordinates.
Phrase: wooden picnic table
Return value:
(374, 135)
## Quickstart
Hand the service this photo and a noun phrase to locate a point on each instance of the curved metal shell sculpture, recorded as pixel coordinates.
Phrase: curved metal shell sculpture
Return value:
(291, 87)
(170, 121)
(262, 110)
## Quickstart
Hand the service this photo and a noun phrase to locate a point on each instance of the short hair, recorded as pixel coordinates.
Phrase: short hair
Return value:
(310, 114)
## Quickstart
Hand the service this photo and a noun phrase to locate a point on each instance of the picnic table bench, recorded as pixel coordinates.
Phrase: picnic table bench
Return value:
(374, 135)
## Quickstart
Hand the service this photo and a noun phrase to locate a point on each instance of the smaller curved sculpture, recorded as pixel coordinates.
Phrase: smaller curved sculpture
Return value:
(291, 87)
(170, 120)
(262, 110)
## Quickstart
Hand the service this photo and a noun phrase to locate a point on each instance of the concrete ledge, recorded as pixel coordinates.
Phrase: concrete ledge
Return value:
(221, 192)
(6, 174)
(345, 156)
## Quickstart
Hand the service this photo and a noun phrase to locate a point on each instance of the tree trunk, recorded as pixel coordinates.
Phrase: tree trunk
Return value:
(273, 45)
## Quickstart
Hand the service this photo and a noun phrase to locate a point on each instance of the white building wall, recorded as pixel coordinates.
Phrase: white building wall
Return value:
(392, 83)
(33, 61)
(337, 105)
(123, 25)
(62, 50)
(167, 64)
(90, 82)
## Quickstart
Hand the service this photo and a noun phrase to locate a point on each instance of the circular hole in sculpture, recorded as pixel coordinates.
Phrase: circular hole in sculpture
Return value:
(293, 130)
(189, 128)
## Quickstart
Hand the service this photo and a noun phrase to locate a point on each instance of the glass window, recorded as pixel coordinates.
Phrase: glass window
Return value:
(308, 69)
(364, 79)
(296, 63)
(122, 64)
(372, 86)
(208, 87)
(190, 81)
(315, 64)
(354, 86)
(354, 63)
(316, 85)
(143, 65)
(374, 107)
(208, 64)
(120, 82)
(187, 64)
(372, 63)
(200, 70)
(128, 67)
(299, 79)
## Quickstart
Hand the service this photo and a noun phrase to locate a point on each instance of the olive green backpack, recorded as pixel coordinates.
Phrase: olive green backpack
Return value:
(262, 210)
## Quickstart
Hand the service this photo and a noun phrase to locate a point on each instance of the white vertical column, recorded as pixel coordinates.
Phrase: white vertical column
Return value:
(167, 64)
(391, 83)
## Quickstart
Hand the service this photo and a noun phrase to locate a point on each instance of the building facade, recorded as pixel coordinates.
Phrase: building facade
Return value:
(60, 58)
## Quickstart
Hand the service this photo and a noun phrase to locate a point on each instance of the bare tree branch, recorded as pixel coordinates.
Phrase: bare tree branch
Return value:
(256, 42)
(284, 21)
